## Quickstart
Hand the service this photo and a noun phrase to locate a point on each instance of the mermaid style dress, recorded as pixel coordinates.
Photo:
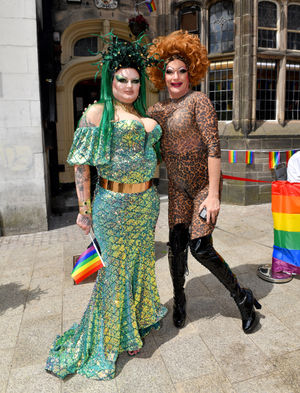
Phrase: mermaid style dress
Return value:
(124, 305)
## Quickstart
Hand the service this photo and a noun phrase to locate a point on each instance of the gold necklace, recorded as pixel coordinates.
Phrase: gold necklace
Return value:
(127, 108)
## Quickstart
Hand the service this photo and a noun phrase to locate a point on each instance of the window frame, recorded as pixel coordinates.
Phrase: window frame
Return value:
(291, 31)
(278, 43)
(214, 54)
(265, 62)
(81, 38)
(282, 55)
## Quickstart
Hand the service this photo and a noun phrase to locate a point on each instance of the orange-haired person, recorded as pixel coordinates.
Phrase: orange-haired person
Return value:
(191, 150)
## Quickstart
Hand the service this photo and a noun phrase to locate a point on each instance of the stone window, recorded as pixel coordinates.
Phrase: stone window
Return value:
(293, 35)
(267, 24)
(221, 88)
(278, 69)
(221, 27)
(292, 97)
(266, 90)
(86, 46)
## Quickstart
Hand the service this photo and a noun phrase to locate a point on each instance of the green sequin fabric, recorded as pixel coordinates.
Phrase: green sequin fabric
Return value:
(124, 305)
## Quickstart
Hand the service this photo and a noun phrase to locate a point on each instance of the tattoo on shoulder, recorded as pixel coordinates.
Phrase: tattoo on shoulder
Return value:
(84, 122)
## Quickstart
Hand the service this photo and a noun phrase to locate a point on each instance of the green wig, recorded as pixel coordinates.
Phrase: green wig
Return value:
(120, 54)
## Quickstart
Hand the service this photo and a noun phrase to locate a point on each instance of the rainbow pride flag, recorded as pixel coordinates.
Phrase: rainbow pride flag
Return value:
(289, 154)
(89, 262)
(274, 159)
(249, 157)
(232, 156)
(151, 5)
(286, 217)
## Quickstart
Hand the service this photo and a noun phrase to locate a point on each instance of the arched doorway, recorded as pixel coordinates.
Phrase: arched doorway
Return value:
(76, 87)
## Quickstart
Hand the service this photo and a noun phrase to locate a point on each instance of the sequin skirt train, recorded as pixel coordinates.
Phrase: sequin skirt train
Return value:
(124, 305)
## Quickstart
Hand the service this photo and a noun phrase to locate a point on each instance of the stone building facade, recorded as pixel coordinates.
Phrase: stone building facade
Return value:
(254, 52)
(253, 82)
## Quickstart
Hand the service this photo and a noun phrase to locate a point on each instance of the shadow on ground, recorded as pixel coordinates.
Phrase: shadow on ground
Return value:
(12, 296)
(201, 307)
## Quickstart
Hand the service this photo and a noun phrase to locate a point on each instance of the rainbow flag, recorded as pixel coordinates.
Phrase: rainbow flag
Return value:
(289, 154)
(274, 159)
(151, 5)
(249, 157)
(286, 217)
(232, 156)
(89, 262)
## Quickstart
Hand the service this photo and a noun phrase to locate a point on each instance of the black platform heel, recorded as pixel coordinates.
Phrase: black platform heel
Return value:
(246, 303)
(202, 250)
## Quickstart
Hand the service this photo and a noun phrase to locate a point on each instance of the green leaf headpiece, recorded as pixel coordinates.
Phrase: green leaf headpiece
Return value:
(123, 54)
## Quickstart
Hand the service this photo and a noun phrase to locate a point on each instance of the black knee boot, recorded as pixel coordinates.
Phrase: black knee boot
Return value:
(202, 250)
(178, 268)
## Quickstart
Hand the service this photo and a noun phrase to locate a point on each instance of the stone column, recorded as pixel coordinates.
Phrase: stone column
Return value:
(246, 71)
(22, 157)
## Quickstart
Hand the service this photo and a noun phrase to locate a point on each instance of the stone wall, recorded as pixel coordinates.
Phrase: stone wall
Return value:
(22, 173)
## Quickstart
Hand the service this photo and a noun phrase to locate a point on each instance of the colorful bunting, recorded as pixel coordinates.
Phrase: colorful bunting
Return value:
(249, 157)
(289, 154)
(274, 159)
(274, 156)
(232, 156)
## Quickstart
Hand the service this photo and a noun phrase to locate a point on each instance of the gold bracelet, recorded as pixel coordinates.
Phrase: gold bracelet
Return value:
(86, 204)
(84, 210)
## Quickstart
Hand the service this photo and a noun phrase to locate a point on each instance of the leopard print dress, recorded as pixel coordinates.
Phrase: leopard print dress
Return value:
(190, 136)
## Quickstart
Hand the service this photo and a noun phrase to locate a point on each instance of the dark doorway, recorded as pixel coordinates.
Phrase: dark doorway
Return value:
(84, 94)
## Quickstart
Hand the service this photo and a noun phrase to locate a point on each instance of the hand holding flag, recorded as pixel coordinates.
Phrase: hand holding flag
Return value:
(89, 262)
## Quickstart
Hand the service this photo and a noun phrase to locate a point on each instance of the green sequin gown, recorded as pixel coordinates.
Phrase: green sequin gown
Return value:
(124, 305)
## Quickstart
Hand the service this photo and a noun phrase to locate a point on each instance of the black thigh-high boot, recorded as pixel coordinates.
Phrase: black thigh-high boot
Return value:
(202, 250)
(179, 238)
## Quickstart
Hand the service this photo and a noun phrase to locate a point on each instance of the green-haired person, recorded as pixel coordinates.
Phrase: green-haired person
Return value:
(116, 137)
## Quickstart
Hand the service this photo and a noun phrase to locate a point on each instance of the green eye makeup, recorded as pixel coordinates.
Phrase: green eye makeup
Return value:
(121, 79)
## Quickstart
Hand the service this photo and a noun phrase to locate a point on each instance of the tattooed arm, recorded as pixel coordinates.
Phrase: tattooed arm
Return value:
(83, 181)
(91, 118)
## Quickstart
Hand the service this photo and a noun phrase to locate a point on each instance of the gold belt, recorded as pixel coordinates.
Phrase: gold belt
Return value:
(128, 188)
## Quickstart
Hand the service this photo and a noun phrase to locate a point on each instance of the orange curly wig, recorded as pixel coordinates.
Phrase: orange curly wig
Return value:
(179, 44)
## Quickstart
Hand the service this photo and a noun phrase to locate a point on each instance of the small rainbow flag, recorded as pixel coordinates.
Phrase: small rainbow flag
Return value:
(289, 154)
(274, 159)
(286, 217)
(89, 262)
(249, 157)
(232, 156)
(151, 5)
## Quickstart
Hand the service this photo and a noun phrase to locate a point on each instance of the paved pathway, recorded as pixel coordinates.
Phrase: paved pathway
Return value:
(211, 354)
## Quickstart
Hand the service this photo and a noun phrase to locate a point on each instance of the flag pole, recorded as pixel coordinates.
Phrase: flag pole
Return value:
(96, 248)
